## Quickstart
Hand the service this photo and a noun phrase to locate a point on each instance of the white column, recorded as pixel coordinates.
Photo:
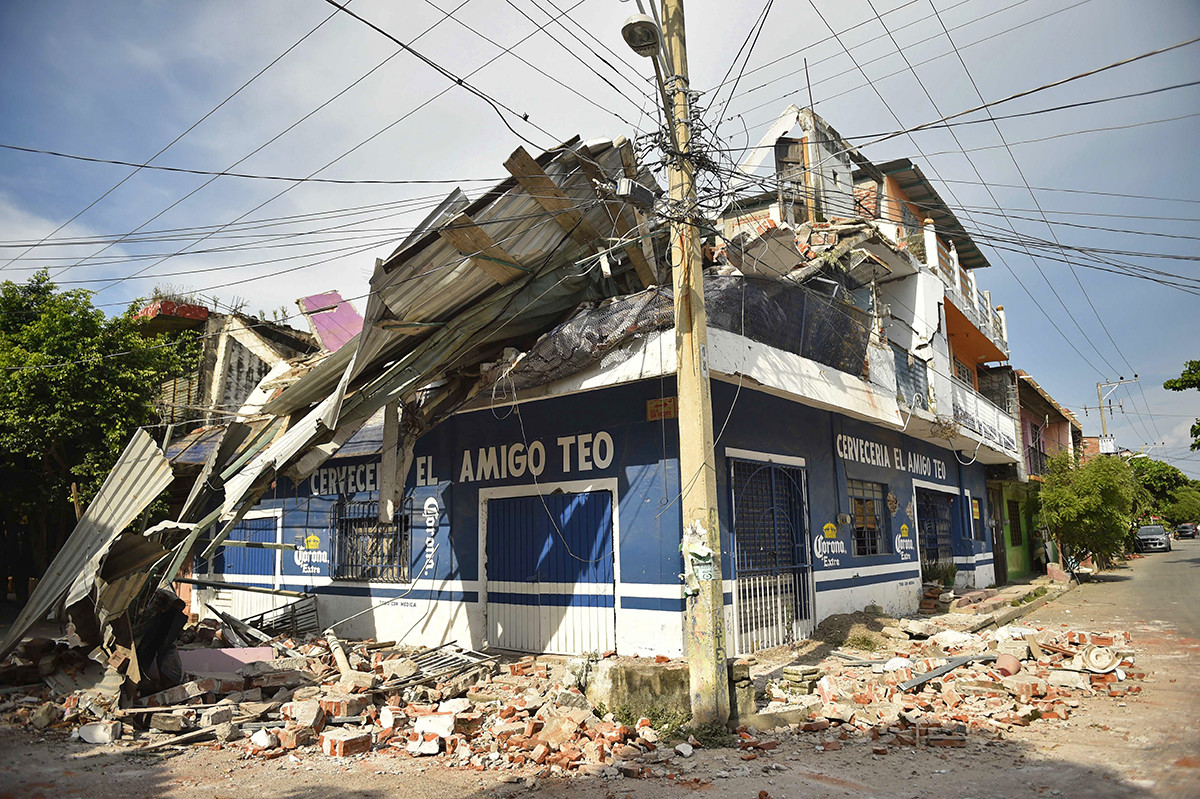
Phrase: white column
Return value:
(931, 248)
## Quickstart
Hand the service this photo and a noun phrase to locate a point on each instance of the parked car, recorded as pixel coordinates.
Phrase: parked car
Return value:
(1152, 538)
(1185, 530)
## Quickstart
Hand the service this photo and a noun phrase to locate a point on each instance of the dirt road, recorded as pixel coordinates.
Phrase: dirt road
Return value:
(1147, 745)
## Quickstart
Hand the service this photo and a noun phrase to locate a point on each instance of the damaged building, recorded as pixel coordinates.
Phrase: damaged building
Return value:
(493, 459)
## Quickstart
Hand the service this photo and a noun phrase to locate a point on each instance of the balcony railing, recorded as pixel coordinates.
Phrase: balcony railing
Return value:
(975, 413)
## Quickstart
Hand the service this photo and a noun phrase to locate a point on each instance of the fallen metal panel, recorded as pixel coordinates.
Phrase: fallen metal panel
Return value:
(206, 482)
(139, 476)
(334, 321)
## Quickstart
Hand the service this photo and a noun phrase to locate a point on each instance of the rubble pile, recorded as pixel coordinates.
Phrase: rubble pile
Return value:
(343, 700)
(934, 685)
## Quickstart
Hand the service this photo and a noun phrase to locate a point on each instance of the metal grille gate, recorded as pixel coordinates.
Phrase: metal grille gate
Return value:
(933, 519)
(772, 602)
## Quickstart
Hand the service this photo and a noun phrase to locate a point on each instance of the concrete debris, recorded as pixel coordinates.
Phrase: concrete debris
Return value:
(929, 686)
(101, 732)
(945, 683)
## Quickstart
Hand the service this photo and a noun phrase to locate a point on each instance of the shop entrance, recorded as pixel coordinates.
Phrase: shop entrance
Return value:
(772, 600)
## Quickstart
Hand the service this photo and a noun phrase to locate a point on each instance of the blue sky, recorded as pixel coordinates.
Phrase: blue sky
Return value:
(121, 80)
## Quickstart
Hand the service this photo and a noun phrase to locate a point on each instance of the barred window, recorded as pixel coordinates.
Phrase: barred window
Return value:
(868, 513)
(365, 548)
(1015, 534)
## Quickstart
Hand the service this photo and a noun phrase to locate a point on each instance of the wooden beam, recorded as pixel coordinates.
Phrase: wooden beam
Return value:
(538, 185)
(472, 241)
(645, 270)
(628, 159)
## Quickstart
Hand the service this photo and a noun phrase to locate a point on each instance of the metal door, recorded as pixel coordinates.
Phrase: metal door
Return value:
(999, 548)
(550, 578)
(772, 568)
(933, 520)
(239, 560)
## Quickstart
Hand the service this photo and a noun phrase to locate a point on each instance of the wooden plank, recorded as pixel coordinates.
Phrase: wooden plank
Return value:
(538, 185)
(645, 271)
(628, 158)
(472, 241)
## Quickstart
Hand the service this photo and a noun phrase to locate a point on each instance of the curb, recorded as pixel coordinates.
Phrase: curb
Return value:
(1012, 614)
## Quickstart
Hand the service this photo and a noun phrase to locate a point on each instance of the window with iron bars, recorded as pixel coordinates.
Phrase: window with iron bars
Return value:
(868, 514)
(364, 548)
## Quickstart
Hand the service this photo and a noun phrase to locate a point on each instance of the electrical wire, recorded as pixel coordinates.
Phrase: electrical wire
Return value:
(492, 102)
(365, 141)
(263, 146)
(186, 131)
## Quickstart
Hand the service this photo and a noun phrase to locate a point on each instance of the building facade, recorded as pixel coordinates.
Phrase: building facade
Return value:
(848, 351)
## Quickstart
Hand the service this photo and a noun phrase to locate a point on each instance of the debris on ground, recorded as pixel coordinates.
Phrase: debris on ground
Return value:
(935, 685)
(912, 682)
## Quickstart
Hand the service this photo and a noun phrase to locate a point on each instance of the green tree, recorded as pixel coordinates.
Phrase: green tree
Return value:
(1160, 480)
(1183, 507)
(74, 384)
(1189, 378)
(1089, 507)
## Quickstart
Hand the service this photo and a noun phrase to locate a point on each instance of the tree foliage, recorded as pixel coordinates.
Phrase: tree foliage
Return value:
(1189, 378)
(1089, 507)
(1184, 506)
(74, 385)
(1160, 480)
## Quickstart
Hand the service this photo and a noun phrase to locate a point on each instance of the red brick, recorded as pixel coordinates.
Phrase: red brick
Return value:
(341, 742)
(294, 737)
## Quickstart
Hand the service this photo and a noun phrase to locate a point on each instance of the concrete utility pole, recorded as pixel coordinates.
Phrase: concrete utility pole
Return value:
(705, 610)
(1101, 395)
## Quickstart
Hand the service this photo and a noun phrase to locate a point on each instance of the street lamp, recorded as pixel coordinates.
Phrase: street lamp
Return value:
(641, 34)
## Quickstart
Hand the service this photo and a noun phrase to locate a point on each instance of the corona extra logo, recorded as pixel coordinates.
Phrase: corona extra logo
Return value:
(431, 511)
(828, 546)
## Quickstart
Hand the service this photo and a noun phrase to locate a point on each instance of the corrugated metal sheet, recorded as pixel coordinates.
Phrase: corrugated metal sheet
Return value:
(209, 479)
(430, 283)
(139, 476)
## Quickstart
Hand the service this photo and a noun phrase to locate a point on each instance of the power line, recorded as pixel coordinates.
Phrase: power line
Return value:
(547, 75)
(1044, 87)
(365, 141)
(987, 38)
(1037, 203)
(918, 146)
(639, 90)
(496, 105)
(188, 130)
(267, 143)
(830, 38)
(230, 174)
(755, 31)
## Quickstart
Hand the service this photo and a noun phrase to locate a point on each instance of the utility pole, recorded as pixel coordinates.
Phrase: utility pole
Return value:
(705, 622)
(1101, 395)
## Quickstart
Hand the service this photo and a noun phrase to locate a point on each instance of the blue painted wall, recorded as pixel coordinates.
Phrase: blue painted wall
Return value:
(605, 434)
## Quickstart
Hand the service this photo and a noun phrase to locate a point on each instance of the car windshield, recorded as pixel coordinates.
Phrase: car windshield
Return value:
(1152, 530)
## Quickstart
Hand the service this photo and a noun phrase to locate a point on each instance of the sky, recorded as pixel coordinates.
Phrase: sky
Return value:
(297, 88)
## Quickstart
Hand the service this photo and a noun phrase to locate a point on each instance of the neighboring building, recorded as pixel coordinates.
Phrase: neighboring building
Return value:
(1047, 429)
(538, 458)
(236, 353)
